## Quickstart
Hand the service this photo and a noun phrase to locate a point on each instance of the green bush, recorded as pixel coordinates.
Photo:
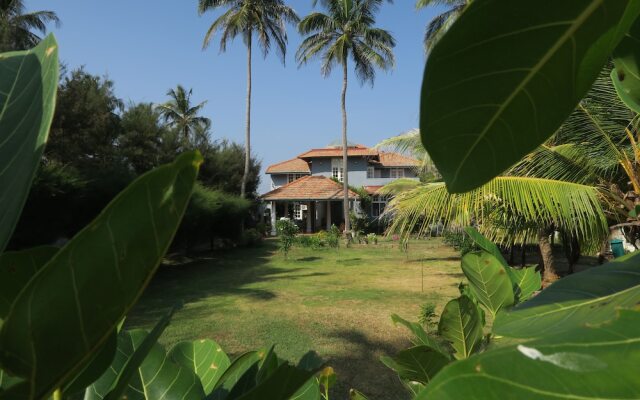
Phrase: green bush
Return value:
(250, 237)
(212, 215)
(333, 237)
(372, 238)
(287, 231)
(459, 241)
(427, 315)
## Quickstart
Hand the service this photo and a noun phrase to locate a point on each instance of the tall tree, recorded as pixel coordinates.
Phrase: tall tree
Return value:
(180, 114)
(346, 32)
(264, 19)
(441, 22)
(17, 26)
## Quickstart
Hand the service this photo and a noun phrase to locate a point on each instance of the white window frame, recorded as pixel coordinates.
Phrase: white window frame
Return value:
(378, 204)
(371, 172)
(337, 170)
(297, 211)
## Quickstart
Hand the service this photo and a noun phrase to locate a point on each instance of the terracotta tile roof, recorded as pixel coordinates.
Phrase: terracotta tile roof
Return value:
(397, 160)
(296, 165)
(309, 188)
(357, 150)
(372, 189)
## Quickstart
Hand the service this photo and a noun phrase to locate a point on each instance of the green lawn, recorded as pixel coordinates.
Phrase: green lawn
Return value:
(337, 303)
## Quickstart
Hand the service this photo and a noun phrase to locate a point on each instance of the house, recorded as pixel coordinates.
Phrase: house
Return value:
(306, 187)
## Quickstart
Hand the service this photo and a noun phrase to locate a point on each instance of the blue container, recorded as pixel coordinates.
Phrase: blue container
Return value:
(617, 248)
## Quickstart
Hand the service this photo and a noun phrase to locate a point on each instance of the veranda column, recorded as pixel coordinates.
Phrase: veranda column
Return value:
(328, 214)
(273, 218)
(309, 217)
(286, 209)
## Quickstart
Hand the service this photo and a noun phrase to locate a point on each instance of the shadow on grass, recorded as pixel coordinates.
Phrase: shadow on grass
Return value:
(222, 274)
(361, 362)
(308, 259)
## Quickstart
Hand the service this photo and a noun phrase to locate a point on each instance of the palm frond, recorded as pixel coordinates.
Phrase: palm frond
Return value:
(505, 204)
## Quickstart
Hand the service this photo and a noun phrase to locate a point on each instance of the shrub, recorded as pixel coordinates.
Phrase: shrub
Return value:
(287, 232)
(459, 241)
(427, 315)
(250, 237)
(212, 214)
(372, 238)
(333, 237)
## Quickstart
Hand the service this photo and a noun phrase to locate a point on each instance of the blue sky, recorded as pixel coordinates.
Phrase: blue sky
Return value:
(148, 47)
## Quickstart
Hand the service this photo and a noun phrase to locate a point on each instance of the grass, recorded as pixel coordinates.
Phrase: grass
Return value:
(337, 303)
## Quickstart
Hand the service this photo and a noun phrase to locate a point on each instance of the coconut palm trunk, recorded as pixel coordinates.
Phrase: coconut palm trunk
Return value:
(549, 274)
(247, 138)
(345, 151)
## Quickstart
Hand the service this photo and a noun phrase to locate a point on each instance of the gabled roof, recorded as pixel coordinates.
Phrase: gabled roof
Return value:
(309, 188)
(397, 160)
(357, 150)
(295, 165)
(372, 190)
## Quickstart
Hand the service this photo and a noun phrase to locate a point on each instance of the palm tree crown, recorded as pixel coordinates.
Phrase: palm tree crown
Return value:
(264, 18)
(179, 113)
(441, 22)
(347, 31)
(17, 26)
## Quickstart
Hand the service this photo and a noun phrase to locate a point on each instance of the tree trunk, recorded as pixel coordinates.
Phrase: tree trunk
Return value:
(247, 138)
(345, 158)
(549, 274)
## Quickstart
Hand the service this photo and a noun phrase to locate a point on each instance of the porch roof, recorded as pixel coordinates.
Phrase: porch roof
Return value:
(309, 188)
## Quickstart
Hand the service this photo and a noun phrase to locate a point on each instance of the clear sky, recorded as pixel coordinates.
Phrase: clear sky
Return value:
(147, 47)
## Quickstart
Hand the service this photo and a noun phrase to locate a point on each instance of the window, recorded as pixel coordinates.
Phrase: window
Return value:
(371, 172)
(378, 204)
(294, 177)
(396, 173)
(297, 211)
(336, 169)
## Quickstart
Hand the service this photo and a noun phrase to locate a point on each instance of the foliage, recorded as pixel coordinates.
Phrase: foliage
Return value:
(495, 207)
(287, 231)
(507, 112)
(58, 354)
(17, 26)
(459, 241)
(372, 238)
(333, 237)
(625, 76)
(212, 214)
(427, 315)
(439, 25)
(181, 114)
(27, 99)
(410, 143)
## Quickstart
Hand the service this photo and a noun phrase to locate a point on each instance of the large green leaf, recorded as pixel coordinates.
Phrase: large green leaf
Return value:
(493, 92)
(461, 325)
(420, 336)
(588, 362)
(283, 383)
(28, 85)
(485, 244)
(526, 281)
(590, 296)
(94, 280)
(232, 375)
(204, 357)
(16, 270)
(488, 281)
(95, 368)
(156, 377)
(417, 364)
(310, 391)
(626, 74)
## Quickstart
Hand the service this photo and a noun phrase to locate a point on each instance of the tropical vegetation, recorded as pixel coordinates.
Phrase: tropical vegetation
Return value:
(438, 26)
(346, 31)
(266, 20)
(19, 28)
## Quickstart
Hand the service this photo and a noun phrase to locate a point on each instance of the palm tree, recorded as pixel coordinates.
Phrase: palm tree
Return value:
(441, 22)
(346, 31)
(585, 178)
(17, 26)
(180, 114)
(266, 20)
